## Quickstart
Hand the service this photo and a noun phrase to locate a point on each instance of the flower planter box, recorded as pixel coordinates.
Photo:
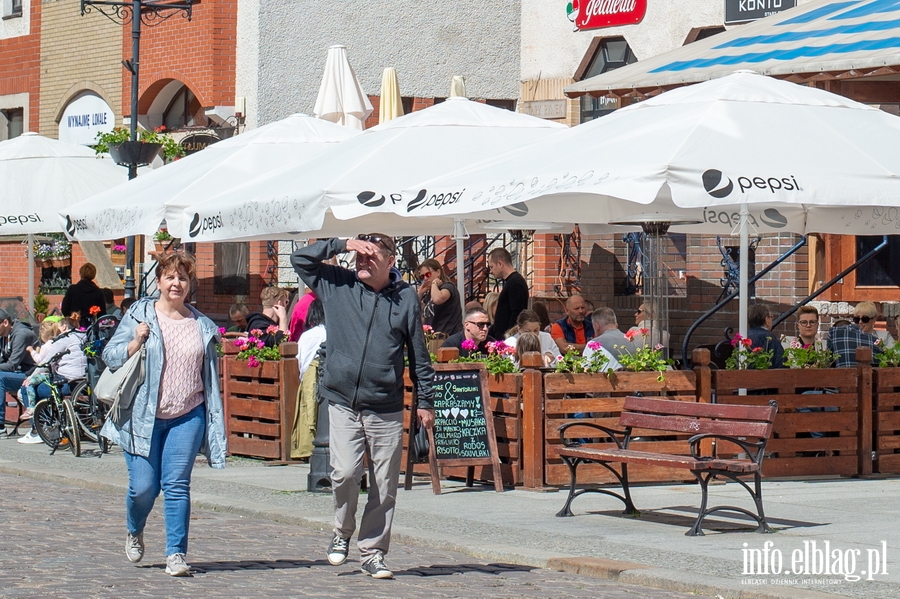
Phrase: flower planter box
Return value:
(260, 403)
(886, 420)
(134, 152)
(821, 426)
(61, 262)
(598, 399)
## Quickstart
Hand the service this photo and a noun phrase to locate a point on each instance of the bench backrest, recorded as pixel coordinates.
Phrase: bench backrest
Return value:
(698, 418)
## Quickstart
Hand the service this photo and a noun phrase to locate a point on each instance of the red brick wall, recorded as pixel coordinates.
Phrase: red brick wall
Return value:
(20, 67)
(200, 53)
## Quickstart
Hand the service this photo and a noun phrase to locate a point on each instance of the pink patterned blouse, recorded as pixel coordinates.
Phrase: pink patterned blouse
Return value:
(181, 384)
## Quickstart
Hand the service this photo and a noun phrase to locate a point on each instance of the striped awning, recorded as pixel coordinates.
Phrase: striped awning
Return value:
(819, 40)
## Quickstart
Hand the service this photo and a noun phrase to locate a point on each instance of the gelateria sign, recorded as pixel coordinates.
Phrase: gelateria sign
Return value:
(594, 14)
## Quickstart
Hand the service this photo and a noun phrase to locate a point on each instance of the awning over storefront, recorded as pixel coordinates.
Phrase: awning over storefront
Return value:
(819, 40)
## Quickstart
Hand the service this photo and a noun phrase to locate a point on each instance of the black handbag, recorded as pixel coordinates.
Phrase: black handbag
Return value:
(420, 446)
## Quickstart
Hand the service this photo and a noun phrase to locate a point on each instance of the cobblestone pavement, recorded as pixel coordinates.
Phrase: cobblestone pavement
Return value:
(66, 542)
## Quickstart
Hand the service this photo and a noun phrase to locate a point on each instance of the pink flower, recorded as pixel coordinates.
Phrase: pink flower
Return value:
(426, 328)
(659, 346)
(241, 343)
(260, 344)
(271, 329)
(252, 362)
(594, 345)
(256, 333)
(630, 334)
(468, 345)
(559, 358)
(644, 332)
(222, 330)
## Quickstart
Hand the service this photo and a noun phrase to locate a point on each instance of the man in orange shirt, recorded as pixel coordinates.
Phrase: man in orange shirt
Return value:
(574, 331)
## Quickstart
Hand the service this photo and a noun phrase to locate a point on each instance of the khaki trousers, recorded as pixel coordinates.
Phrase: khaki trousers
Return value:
(379, 437)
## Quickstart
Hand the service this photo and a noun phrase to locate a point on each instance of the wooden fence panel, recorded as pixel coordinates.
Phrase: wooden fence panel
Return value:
(886, 420)
(817, 427)
(599, 398)
(260, 404)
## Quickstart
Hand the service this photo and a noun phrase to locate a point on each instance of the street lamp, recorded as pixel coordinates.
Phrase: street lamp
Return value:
(150, 13)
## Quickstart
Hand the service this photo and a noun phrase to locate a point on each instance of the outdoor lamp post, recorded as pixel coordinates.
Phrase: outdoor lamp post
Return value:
(150, 13)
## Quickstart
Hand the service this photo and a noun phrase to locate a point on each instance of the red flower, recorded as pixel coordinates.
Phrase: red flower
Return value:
(747, 342)
(94, 311)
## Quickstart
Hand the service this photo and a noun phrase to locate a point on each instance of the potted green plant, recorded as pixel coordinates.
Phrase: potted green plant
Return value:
(163, 240)
(141, 152)
(41, 305)
(43, 254)
(62, 253)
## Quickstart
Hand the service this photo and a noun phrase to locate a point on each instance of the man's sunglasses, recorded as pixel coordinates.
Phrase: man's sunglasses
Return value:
(480, 325)
(385, 242)
(862, 319)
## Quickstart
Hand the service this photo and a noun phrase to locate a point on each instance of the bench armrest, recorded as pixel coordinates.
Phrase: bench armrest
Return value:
(610, 432)
(754, 450)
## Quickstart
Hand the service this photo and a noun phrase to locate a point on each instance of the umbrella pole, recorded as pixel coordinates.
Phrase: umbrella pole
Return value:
(744, 263)
(30, 242)
(459, 232)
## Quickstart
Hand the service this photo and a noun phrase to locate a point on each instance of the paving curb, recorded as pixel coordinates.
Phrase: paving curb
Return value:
(613, 570)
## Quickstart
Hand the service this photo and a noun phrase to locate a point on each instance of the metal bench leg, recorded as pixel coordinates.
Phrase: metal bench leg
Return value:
(630, 510)
(757, 499)
(696, 529)
(572, 463)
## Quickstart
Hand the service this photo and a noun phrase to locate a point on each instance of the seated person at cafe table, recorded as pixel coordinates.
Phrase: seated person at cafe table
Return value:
(272, 322)
(575, 330)
(759, 321)
(807, 330)
(474, 337)
(844, 340)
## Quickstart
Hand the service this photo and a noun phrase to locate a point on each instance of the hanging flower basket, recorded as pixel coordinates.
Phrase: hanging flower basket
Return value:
(134, 152)
(61, 262)
(43, 262)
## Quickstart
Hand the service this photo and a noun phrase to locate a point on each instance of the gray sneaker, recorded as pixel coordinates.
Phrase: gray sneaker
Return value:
(374, 567)
(134, 547)
(176, 566)
(337, 551)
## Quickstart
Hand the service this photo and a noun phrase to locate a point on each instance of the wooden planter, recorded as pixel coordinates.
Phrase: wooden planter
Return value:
(598, 399)
(61, 262)
(823, 425)
(886, 420)
(260, 403)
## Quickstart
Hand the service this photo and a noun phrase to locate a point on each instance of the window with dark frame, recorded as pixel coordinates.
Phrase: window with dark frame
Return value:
(231, 271)
(183, 111)
(603, 55)
(13, 122)
(12, 9)
(883, 270)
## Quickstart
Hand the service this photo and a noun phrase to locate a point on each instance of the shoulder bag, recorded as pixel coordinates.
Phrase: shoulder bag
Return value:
(118, 388)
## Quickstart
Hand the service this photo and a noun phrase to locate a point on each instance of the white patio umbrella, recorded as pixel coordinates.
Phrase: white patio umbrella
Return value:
(341, 98)
(743, 148)
(140, 205)
(39, 177)
(365, 175)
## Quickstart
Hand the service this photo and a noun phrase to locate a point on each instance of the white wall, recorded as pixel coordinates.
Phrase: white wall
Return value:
(247, 59)
(18, 26)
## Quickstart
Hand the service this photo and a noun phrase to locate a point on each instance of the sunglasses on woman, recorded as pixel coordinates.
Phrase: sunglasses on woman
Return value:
(862, 319)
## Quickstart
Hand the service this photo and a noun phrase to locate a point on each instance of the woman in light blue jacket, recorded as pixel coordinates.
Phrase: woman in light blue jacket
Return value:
(176, 412)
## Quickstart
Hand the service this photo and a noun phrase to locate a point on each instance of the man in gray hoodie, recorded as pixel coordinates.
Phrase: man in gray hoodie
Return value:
(374, 318)
(15, 362)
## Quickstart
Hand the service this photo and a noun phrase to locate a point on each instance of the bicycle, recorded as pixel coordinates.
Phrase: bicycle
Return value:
(90, 412)
(54, 417)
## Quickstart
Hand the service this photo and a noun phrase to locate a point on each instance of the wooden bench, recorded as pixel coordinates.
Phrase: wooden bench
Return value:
(747, 427)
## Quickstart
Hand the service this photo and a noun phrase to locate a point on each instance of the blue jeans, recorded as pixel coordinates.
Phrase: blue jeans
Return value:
(173, 448)
(9, 381)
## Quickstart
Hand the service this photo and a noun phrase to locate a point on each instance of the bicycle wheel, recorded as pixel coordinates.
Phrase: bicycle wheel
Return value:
(89, 411)
(46, 421)
(71, 428)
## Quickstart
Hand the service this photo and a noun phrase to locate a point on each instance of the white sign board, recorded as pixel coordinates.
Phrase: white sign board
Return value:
(83, 118)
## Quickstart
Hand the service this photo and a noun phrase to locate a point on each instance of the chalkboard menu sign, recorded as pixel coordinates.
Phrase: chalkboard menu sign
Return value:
(463, 433)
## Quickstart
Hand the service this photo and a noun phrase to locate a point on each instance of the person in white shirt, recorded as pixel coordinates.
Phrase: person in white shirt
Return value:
(313, 336)
(529, 322)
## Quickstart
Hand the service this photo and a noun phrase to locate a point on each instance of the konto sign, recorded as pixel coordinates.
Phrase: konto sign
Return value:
(594, 14)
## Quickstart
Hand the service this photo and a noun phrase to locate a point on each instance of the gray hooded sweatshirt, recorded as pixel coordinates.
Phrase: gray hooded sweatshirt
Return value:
(367, 334)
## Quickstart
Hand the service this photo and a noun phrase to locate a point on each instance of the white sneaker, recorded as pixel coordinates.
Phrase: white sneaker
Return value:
(176, 566)
(30, 439)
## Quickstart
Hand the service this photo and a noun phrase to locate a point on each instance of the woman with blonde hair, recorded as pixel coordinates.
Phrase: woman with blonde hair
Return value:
(176, 412)
(490, 304)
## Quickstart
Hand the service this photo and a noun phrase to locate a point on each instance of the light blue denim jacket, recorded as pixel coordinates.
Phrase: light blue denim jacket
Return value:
(134, 429)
